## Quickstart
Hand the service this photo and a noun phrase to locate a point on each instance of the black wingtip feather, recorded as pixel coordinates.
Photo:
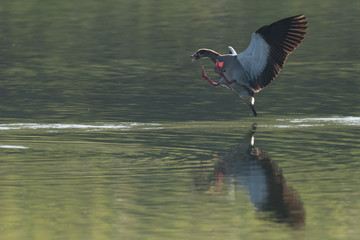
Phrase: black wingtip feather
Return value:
(283, 37)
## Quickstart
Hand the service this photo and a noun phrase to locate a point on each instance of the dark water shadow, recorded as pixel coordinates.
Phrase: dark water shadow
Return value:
(248, 167)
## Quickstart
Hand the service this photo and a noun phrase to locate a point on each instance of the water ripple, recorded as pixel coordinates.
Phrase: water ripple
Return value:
(316, 122)
(13, 146)
(351, 121)
(98, 126)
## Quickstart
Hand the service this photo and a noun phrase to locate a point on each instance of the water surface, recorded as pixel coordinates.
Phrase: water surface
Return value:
(109, 132)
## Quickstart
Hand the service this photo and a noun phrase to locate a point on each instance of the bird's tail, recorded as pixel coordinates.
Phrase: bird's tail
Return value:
(254, 111)
(250, 101)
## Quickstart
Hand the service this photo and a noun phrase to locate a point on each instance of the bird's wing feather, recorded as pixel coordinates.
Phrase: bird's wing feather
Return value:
(254, 58)
(269, 48)
(232, 50)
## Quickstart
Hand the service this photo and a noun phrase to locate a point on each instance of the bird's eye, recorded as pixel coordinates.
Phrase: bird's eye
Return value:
(202, 51)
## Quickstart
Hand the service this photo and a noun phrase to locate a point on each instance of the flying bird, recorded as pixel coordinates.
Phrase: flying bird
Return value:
(253, 69)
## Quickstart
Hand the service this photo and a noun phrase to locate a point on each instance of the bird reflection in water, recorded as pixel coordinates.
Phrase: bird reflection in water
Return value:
(247, 166)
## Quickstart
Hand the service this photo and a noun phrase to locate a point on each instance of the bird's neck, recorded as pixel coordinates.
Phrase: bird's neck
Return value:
(214, 56)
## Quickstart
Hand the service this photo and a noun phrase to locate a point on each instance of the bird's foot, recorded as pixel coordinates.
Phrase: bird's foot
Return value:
(206, 78)
(227, 81)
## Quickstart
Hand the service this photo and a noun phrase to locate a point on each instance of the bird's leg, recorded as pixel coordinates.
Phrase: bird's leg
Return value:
(227, 81)
(219, 69)
(206, 78)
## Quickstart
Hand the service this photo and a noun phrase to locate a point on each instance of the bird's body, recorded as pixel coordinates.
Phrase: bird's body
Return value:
(253, 69)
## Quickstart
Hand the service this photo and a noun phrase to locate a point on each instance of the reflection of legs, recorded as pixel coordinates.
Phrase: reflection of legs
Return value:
(205, 77)
(219, 179)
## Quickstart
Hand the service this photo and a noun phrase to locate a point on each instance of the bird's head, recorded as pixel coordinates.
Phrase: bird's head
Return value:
(204, 52)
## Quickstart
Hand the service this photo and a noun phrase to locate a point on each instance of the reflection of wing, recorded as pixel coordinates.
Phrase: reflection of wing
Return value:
(252, 176)
(269, 48)
(282, 199)
(245, 166)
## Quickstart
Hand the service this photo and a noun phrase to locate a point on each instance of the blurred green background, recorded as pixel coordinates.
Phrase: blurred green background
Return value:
(109, 132)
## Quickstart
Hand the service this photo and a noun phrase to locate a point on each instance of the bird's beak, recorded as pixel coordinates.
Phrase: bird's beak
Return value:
(195, 57)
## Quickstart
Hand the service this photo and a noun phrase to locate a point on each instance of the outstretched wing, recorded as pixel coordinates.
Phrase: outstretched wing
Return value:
(269, 48)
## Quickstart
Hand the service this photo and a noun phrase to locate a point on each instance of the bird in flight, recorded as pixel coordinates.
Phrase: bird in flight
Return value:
(253, 69)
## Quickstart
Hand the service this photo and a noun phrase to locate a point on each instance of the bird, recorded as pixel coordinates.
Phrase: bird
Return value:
(257, 66)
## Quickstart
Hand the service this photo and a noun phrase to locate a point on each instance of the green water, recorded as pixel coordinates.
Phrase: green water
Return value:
(109, 132)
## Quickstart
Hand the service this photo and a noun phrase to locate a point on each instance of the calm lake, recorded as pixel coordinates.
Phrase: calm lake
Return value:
(107, 130)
